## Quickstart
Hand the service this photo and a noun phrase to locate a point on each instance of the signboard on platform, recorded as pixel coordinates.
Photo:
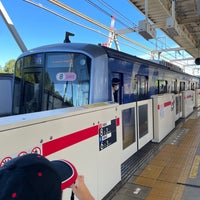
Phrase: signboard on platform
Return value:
(107, 134)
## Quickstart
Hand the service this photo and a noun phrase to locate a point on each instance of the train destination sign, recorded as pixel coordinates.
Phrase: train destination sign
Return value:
(66, 76)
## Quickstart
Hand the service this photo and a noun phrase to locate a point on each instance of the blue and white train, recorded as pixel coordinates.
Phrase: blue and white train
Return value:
(77, 74)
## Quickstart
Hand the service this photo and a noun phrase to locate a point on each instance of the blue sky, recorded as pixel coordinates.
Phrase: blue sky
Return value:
(38, 27)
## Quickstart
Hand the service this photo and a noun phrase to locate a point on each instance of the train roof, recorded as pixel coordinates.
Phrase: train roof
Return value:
(125, 56)
(94, 50)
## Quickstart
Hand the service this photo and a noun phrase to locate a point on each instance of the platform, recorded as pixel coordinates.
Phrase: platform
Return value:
(166, 171)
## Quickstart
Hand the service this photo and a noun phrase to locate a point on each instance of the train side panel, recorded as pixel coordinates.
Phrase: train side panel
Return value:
(6, 82)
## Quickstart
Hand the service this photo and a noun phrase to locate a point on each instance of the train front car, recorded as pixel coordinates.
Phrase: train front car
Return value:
(60, 75)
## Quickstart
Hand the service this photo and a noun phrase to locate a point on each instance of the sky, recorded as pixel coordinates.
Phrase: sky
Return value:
(38, 27)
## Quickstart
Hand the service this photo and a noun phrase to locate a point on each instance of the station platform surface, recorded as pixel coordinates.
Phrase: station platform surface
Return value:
(166, 171)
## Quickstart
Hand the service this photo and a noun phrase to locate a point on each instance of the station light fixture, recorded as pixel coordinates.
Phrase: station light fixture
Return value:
(146, 30)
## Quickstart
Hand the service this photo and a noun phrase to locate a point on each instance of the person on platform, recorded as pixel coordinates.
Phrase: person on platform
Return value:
(33, 177)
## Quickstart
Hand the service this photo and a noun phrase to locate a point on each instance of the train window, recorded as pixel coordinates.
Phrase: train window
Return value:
(143, 120)
(17, 86)
(128, 127)
(171, 87)
(178, 104)
(162, 86)
(196, 85)
(117, 85)
(175, 90)
(141, 84)
(182, 86)
(192, 86)
(6, 94)
(18, 68)
(33, 60)
(59, 60)
(32, 83)
(67, 79)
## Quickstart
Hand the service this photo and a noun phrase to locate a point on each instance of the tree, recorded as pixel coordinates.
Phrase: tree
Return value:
(1, 69)
(9, 66)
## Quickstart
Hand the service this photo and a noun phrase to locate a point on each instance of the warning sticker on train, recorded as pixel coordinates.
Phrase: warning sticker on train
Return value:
(22, 153)
(36, 150)
(4, 160)
(8, 157)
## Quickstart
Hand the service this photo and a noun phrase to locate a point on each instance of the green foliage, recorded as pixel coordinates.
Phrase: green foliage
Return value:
(1, 69)
(9, 67)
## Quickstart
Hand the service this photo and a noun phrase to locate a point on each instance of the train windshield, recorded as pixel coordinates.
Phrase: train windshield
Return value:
(52, 80)
(32, 82)
(67, 79)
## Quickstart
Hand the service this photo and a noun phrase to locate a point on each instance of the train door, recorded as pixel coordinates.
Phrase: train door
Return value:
(182, 86)
(32, 91)
(117, 88)
(141, 87)
(175, 87)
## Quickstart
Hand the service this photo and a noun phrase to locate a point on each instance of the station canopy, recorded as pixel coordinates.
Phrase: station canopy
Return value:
(179, 19)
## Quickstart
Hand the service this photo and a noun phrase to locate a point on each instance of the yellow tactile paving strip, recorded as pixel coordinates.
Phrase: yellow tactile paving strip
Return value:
(195, 167)
(171, 167)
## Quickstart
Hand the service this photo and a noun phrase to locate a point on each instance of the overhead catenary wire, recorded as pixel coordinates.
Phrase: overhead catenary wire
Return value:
(56, 2)
(107, 13)
(61, 16)
(117, 13)
(97, 23)
(92, 21)
(74, 22)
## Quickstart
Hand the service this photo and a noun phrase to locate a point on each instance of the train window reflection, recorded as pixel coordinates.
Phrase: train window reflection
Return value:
(33, 60)
(32, 82)
(143, 120)
(128, 127)
(18, 68)
(178, 104)
(162, 86)
(60, 60)
(67, 80)
(182, 85)
(141, 84)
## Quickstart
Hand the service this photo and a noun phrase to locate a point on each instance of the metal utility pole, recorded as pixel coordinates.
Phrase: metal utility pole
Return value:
(11, 27)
